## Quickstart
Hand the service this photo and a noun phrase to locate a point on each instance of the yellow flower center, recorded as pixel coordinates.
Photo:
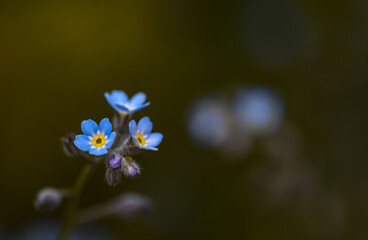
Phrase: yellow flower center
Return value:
(98, 140)
(140, 139)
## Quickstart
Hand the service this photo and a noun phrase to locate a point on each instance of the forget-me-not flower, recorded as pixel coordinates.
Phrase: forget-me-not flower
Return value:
(142, 136)
(96, 139)
(120, 101)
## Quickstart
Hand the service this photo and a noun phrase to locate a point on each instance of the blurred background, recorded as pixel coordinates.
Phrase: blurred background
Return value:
(262, 104)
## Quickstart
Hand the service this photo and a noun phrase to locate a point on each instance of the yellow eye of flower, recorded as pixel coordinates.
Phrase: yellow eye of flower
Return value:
(98, 140)
(140, 139)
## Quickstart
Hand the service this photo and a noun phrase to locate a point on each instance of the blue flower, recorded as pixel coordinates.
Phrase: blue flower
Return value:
(258, 111)
(142, 136)
(120, 101)
(96, 139)
(209, 123)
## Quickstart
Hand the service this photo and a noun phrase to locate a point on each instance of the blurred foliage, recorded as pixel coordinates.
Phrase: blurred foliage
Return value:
(58, 58)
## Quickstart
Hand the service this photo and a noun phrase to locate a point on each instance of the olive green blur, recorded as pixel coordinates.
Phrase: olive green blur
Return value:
(58, 58)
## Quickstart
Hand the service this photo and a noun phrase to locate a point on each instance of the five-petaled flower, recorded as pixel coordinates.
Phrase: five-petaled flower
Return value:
(120, 101)
(97, 139)
(142, 136)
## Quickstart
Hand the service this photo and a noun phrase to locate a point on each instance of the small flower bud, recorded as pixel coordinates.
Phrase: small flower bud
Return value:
(113, 176)
(131, 205)
(129, 167)
(48, 199)
(69, 147)
(115, 162)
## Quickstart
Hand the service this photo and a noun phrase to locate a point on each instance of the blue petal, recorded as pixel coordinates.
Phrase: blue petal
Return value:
(110, 140)
(98, 151)
(136, 109)
(89, 127)
(116, 97)
(122, 107)
(110, 100)
(145, 126)
(150, 148)
(83, 143)
(105, 126)
(132, 127)
(154, 139)
(138, 99)
(119, 96)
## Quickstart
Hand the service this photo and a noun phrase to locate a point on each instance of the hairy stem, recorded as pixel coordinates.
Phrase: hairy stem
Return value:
(69, 220)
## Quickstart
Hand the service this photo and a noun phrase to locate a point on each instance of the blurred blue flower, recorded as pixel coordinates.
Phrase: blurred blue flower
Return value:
(142, 136)
(258, 111)
(209, 121)
(119, 100)
(97, 139)
(40, 229)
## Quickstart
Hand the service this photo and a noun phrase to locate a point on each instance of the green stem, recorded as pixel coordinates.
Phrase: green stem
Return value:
(69, 220)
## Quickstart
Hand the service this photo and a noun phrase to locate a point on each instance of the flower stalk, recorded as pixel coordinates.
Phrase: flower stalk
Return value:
(71, 209)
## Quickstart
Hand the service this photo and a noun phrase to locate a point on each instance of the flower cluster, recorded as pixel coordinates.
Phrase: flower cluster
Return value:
(113, 143)
(116, 142)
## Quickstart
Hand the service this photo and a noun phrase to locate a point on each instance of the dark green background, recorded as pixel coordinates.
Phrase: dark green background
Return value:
(57, 58)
